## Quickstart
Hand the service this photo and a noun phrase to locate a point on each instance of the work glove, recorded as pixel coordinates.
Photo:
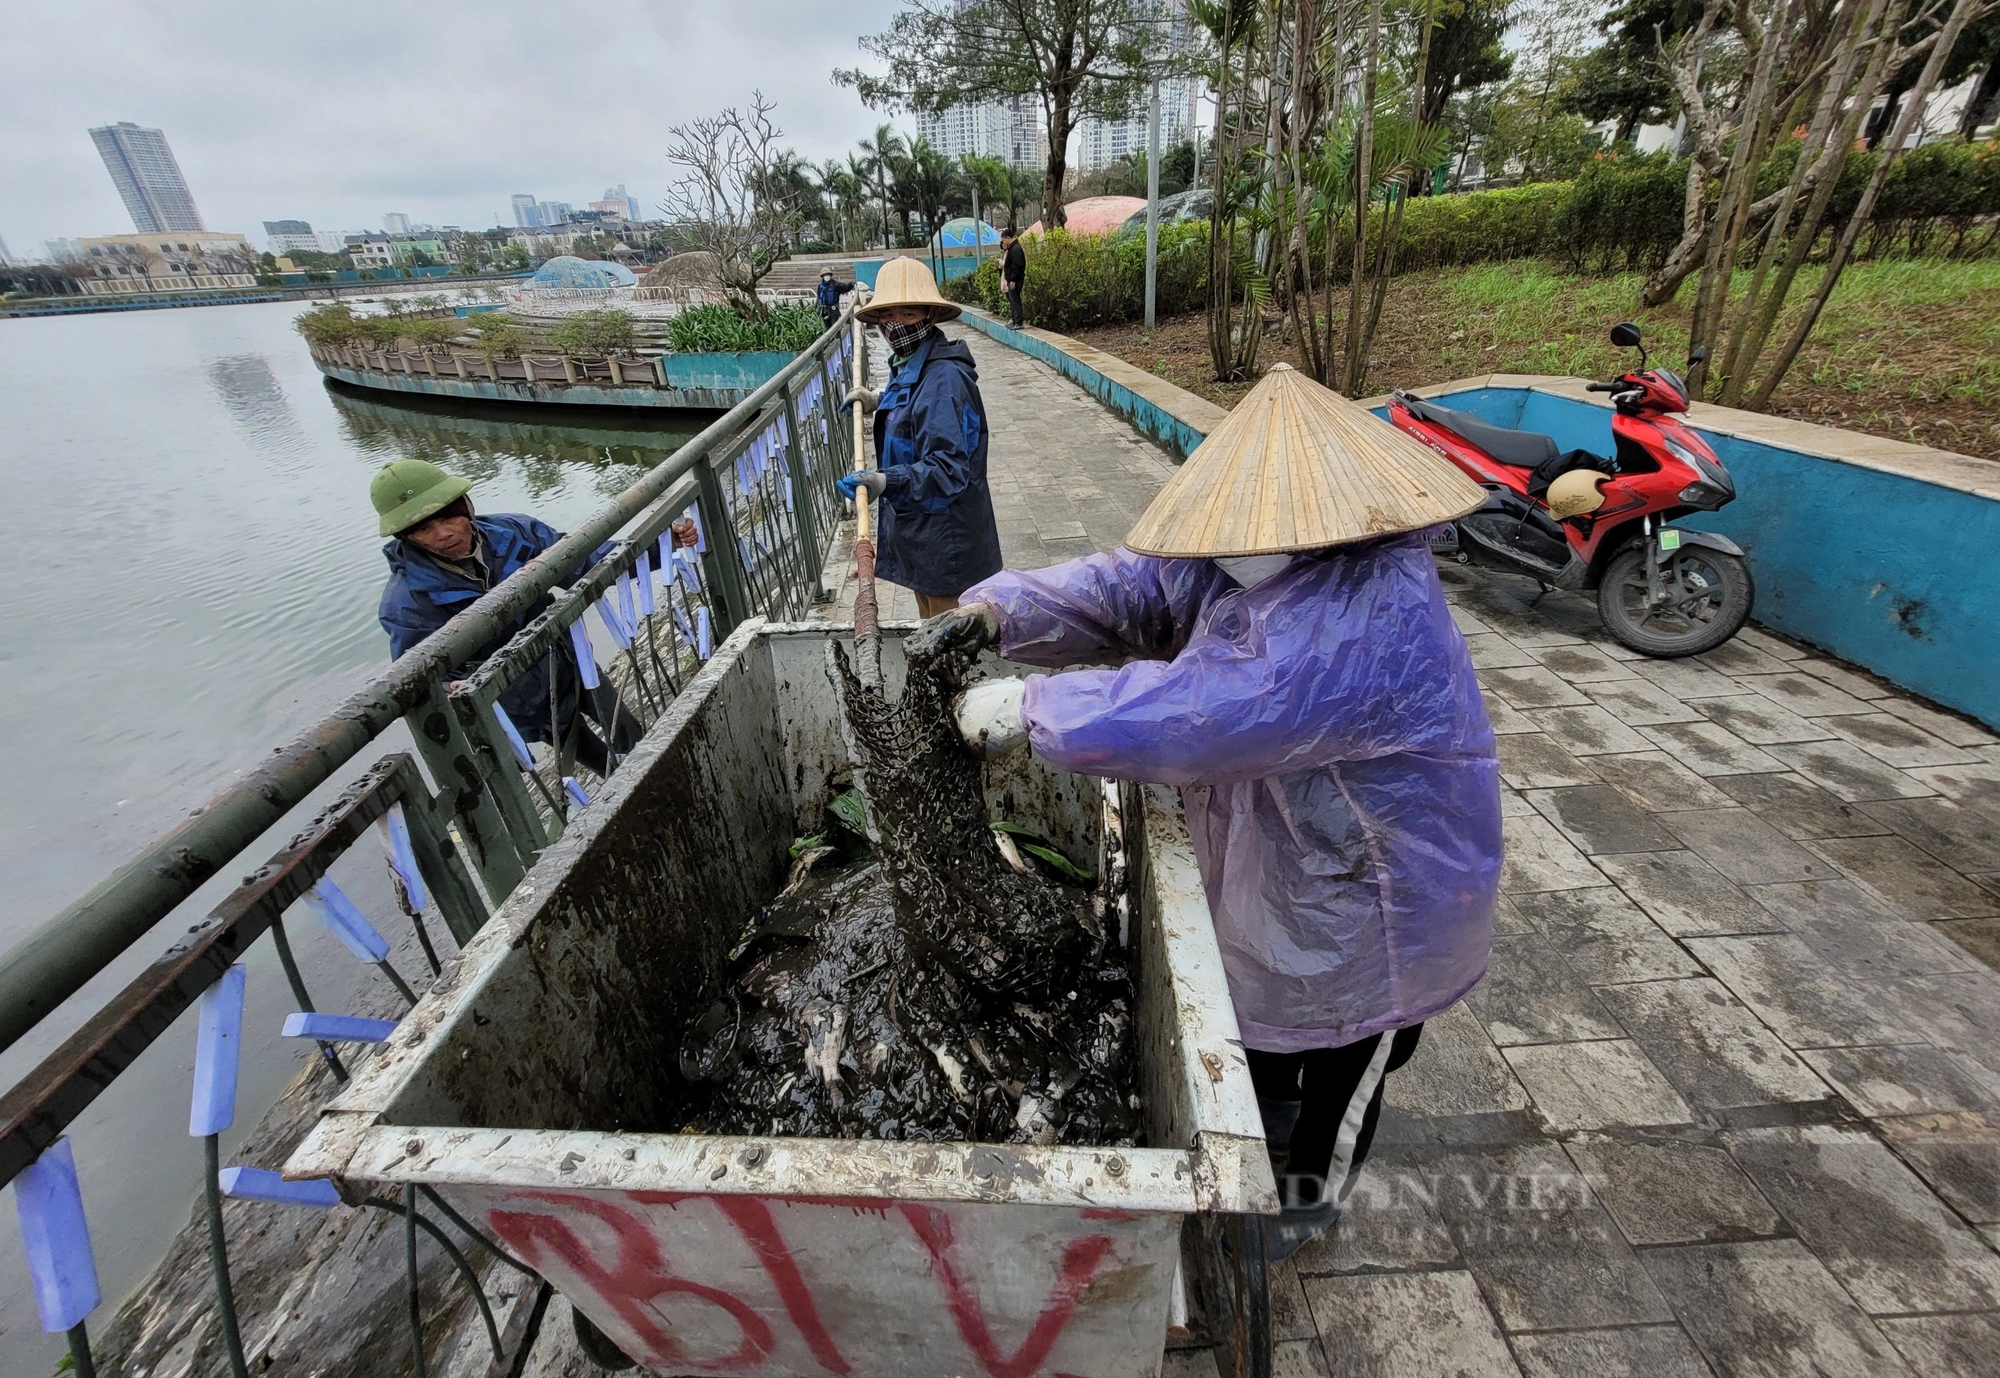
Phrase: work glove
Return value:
(851, 484)
(989, 717)
(966, 628)
(867, 397)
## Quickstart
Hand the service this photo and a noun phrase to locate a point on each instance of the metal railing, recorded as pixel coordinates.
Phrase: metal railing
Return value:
(736, 523)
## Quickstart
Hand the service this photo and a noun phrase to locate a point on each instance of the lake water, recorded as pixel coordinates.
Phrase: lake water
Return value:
(191, 577)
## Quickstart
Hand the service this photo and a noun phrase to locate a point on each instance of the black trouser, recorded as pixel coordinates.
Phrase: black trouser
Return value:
(1339, 1094)
(1014, 317)
(828, 315)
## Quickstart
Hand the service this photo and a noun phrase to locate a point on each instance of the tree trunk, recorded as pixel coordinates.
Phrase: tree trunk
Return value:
(1364, 152)
(1057, 168)
(1918, 97)
(1984, 91)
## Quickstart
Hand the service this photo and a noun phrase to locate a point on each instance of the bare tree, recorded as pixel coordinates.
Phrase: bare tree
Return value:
(1781, 59)
(723, 203)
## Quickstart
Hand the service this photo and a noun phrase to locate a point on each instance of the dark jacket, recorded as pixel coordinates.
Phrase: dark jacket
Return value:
(423, 594)
(1014, 265)
(830, 292)
(937, 533)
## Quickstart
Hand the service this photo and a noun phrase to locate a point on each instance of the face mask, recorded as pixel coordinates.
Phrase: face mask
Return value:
(1252, 570)
(904, 339)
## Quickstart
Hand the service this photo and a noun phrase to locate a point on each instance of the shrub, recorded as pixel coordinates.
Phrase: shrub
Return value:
(430, 334)
(1076, 281)
(595, 334)
(1472, 227)
(717, 329)
(1624, 213)
(496, 335)
(330, 323)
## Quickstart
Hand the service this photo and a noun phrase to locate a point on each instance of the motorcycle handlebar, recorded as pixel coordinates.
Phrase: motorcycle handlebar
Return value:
(1600, 387)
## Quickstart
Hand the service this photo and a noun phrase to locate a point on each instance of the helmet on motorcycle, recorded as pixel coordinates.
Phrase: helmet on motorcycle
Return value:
(1575, 493)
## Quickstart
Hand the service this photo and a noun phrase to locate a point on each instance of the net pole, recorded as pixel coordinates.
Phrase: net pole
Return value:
(867, 626)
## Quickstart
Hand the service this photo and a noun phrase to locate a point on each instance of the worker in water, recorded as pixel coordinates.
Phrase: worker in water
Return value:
(1285, 655)
(442, 557)
(936, 534)
(831, 290)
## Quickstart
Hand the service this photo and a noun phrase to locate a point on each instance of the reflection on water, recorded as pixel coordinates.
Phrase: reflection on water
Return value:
(193, 569)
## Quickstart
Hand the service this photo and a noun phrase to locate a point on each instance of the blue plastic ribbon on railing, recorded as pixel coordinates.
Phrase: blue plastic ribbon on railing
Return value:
(218, 1043)
(338, 1028)
(608, 615)
(586, 658)
(403, 857)
(625, 608)
(704, 644)
(519, 744)
(262, 1184)
(575, 791)
(343, 918)
(644, 569)
(700, 533)
(687, 632)
(55, 1236)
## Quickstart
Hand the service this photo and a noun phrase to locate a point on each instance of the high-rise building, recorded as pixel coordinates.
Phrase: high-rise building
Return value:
(143, 169)
(395, 222)
(290, 237)
(63, 250)
(1010, 130)
(1101, 142)
(527, 215)
(616, 202)
(6, 259)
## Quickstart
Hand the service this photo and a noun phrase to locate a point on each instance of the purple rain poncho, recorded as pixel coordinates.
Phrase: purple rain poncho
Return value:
(1335, 762)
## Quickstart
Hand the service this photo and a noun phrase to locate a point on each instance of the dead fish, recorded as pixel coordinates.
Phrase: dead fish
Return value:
(825, 1027)
(809, 858)
(1037, 1118)
(953, 1069)
(1008, 850)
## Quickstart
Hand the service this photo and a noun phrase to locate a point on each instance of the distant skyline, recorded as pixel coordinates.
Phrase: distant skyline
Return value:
(439, 111)
(149, 181)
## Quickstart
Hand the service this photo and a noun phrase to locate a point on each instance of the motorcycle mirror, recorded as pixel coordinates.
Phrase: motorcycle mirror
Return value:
(1700, 353)
(1625, 335)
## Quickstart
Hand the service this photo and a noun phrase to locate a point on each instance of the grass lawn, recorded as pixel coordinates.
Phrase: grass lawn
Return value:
(1906, 349)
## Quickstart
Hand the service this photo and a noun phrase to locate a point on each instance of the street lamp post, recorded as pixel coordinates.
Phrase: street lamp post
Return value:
(1152, 202)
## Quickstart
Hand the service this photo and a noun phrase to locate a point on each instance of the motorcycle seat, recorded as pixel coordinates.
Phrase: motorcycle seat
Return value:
(1516, 449)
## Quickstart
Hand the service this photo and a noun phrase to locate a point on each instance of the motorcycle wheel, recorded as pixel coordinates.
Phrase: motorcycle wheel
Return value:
(1718, 603)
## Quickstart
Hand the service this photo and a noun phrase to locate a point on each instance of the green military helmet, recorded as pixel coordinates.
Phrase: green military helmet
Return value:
(409, 490)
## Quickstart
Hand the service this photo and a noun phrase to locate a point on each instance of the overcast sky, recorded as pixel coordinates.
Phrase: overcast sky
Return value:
(337, 113)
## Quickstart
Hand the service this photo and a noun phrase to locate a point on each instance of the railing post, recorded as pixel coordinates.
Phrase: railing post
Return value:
(721, 563)
(454, 764)
(503, 776)
(804, 507)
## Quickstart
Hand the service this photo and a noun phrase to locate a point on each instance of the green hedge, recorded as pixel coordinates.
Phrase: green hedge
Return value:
(1076, 281)
(1621, 213)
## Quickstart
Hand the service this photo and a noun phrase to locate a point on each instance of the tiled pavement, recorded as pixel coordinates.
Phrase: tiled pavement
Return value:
(1729, 1098)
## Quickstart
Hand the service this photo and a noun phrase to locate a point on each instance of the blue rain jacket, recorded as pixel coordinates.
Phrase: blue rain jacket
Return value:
(936, 515)
(1334, 756)
(422, 595)
(830, 292)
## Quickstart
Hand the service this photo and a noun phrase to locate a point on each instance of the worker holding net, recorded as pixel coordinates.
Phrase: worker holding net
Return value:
(1285, 655)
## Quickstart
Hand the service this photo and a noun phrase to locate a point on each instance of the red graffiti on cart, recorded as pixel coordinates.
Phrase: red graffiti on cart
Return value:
(640, 1274)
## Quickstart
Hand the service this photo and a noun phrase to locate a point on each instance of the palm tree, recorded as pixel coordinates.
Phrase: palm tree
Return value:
(933, 179)
(858, 171)
(1024, 184)
(882, 153)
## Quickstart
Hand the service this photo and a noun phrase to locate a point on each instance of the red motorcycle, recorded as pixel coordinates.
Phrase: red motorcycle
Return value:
(1578, 520)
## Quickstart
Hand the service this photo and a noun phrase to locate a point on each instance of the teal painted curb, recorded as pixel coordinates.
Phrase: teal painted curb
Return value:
(1156, 421)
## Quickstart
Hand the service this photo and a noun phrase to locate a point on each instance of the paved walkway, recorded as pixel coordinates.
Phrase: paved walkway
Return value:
(1729, 1098)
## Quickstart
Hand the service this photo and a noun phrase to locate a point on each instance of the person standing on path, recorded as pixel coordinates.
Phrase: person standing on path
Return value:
(936, 531)
(442, 557)
(1013, 273)
(1289, 661)
(831, 289)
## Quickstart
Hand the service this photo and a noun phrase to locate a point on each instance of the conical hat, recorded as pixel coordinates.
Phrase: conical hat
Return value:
(907, 282)
(1296, 466)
